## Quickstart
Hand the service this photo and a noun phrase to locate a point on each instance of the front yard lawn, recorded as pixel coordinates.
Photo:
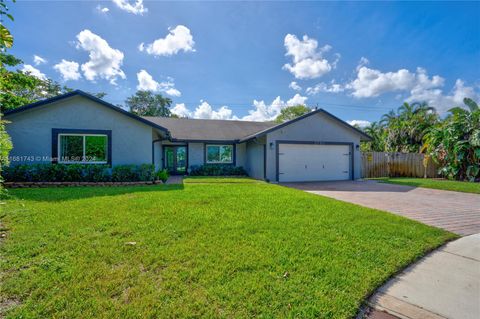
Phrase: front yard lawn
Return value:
(230, 250)
(444, 184)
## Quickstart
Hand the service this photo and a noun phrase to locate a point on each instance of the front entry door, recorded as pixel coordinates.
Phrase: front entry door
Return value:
(176, 159)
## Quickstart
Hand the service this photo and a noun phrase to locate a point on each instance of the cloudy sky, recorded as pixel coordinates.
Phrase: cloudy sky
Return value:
(249, 60)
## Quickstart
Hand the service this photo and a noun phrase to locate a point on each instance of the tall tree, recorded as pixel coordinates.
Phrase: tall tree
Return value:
(146, 103)
(377, 132)
(6, 41)
(404, 129)
(291, 112)
(6, 38)
(455, 143)
(18, 88)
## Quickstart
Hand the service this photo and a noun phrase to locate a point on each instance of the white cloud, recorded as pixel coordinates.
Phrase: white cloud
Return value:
(37, 60)
(178, 39)
(105, 62)
(418, 86)
(443, 102)
(27, 68)
(173, 91)
(363, 61)
(205, 111)
(131, 7)
(147, 83)
(68, 69)
(102, 9)
(360, 123)
(332, 87)
(264, 112)
(261, 111)
(307, 58)
(181, 110)
(372, 83)
(297, 100)
(294, 86)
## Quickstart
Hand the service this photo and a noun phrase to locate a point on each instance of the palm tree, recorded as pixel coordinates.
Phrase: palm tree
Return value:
(455, 142)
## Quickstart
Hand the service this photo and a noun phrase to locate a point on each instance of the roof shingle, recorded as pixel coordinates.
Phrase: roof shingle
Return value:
(210, 130)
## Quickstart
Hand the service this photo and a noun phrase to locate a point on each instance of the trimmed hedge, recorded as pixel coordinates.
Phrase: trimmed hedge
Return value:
(79, 173)
(217, 170)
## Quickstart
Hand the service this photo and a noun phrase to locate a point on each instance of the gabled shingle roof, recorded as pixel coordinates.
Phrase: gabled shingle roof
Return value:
(364, 136)
(195, 129)
(85, 95)
(209, 130)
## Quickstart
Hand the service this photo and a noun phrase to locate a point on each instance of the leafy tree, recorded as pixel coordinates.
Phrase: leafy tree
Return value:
(6, 41)
(5, 147)
(455, 143)
(403, 130)
(146, 103)
(378, 134)
(18, 88)
(6, 38)
(291, 112)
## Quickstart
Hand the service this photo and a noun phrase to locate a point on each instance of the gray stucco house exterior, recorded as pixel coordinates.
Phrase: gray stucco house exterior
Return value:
(79, 128)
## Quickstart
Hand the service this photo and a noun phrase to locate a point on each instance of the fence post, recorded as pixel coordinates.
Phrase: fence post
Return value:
(388, 164)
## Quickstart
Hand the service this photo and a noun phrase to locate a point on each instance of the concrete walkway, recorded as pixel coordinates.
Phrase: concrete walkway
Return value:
(454, 211)
(444, 284)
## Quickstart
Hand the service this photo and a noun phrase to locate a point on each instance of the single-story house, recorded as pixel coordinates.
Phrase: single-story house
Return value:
(79, 128)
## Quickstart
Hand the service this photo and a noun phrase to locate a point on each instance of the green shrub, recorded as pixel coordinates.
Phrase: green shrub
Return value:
(146, 172)
(17, 173)
(78, 173)
(39, 172)
(96, 173)
(217, 170)
(74, 173)
(163, 175)
(5, 147)
(124, 173)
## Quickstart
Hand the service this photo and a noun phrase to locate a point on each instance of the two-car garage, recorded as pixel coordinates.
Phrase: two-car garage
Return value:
(309, 161)
(316, 146)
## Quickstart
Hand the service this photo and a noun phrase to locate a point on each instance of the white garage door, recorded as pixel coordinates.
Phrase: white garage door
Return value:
(312, 162)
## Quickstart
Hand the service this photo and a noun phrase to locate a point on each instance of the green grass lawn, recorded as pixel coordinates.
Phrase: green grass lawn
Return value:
(229, 250)
(457, 186)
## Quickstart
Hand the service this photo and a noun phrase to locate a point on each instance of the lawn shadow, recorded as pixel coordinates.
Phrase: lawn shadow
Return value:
(221, 180)
(55, 194)
(351, 186)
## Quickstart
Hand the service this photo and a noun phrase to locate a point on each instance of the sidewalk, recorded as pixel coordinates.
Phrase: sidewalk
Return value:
(444, 284)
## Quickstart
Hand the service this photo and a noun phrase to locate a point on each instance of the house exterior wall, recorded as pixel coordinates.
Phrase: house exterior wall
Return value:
(195, 154)
(158, 155)
(240, 154)
(254, 161)
(31, 131)
(315, 128)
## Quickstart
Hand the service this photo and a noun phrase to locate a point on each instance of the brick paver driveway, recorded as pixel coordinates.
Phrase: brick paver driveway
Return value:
(453, 211)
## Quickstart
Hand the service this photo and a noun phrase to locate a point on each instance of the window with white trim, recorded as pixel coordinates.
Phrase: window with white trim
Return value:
(219, 154)
(82, 148)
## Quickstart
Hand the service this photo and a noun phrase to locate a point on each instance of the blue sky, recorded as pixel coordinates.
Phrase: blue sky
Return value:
(238, 60)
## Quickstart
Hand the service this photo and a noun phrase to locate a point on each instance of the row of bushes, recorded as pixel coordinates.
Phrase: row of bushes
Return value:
(103, 173)
(217, 170)
(82, 173)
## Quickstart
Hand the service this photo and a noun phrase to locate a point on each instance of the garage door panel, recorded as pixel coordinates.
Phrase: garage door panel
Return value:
(313, 162)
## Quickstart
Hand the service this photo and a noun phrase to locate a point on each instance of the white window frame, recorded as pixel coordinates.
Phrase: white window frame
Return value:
(84, 149)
